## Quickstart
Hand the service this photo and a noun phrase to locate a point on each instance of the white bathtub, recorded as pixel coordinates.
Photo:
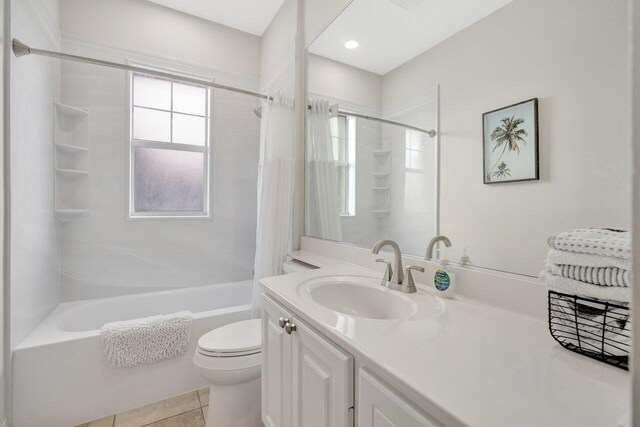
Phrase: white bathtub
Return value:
(61, 376)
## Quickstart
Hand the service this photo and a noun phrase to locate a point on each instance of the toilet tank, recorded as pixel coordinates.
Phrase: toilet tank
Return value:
(295, 266)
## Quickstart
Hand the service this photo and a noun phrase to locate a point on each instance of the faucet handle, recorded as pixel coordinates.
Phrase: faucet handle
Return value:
(410, 286)
(414, 267)
(388, 272)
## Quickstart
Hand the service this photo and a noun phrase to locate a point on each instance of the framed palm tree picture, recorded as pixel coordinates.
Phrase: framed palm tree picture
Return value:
(510, 143)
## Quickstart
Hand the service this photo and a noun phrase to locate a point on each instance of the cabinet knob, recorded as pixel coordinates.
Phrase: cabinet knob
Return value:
(290, 327)
(283, 321)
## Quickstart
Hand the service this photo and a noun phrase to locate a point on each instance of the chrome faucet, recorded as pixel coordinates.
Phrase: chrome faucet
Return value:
(397, 277)
(393, 276)
(432, 244)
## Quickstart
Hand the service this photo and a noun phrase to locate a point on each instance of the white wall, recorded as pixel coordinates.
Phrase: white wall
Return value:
(35, 84)
(572, 55)
(335, 80)
(277, 51)
(137, 26)
(52, 9)
(107, 254)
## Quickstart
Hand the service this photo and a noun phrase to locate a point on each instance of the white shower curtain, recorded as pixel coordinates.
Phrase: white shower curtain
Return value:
(323, 204)
(275, 191)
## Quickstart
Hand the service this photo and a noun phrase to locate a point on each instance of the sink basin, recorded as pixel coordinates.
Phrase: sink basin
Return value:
(363, 297)
(362, 301)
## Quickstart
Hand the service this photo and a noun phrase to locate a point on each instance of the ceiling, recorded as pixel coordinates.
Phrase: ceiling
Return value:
(391, 32)
(251, 16)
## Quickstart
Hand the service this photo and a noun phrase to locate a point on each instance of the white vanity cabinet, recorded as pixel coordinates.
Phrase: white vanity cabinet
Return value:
(306, 379)
(381, 406)
(276, 366)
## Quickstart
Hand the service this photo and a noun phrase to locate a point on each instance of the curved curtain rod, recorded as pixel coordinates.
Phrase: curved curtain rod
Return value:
(21, 49)
(430, 132)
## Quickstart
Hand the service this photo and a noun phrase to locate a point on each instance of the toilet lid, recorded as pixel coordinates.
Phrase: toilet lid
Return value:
(234, 339)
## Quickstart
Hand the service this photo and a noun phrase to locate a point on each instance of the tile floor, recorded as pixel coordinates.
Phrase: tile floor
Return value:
(186, 410)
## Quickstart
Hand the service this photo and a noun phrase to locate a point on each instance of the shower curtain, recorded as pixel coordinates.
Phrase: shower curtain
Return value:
(275, 191)
(323, 204)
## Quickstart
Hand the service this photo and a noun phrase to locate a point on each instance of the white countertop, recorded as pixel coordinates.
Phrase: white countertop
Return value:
(471, 365)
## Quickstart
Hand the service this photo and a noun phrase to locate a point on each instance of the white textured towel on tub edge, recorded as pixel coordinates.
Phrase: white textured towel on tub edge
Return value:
(148, 340)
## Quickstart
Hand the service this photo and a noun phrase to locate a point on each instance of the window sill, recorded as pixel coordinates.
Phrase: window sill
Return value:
(170, 217)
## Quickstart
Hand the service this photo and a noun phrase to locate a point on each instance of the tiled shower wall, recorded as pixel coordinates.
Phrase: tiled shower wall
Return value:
(106, 253)
(35, 84)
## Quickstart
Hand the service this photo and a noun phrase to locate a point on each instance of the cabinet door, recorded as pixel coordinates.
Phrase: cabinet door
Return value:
(322, 380)
(276, 366)
(381, 406)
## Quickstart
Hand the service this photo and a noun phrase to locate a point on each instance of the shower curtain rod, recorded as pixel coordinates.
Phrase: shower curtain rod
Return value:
(21, 49)
(430, 132)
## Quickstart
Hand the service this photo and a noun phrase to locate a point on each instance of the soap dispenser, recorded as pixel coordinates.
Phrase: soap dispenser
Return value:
(444, 279)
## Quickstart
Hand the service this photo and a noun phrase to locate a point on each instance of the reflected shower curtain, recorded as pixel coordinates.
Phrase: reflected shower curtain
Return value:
(275, 191)
(323, 204)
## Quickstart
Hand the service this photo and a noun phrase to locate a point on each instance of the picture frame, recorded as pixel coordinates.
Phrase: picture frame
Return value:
(510, 143)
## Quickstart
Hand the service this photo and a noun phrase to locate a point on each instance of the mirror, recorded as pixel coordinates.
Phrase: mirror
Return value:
(531, 117)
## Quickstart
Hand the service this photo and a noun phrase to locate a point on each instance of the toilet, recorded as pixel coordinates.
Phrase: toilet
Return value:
(230, 358)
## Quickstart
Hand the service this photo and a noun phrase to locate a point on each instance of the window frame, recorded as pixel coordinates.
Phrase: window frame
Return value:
(348, 165)
(134, 143)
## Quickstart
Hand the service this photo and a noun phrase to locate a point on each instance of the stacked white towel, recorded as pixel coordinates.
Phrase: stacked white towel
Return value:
(147, 340)
(593, 263)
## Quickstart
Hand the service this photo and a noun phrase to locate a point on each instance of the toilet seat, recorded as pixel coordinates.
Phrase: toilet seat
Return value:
(233, 340)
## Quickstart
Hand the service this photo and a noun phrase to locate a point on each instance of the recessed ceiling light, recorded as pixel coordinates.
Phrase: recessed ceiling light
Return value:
(351, 44)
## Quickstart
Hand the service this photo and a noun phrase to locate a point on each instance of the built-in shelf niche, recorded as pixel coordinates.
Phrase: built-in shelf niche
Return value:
(71, 161)
(381, 182)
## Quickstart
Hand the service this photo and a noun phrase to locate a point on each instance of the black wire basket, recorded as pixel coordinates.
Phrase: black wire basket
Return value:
(595, 328)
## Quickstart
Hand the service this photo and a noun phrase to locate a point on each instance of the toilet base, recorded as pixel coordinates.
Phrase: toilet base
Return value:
(235, 405)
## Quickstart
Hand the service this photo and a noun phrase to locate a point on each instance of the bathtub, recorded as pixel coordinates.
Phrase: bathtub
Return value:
(61, 376)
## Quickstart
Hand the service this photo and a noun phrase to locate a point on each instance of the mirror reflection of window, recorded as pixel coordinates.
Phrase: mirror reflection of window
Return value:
(415, 150)
(343, 134)
(416, 192)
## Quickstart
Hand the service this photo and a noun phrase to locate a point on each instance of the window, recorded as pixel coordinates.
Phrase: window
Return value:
(415, 150)
(343, 133)
(417, 194)
(169, 153)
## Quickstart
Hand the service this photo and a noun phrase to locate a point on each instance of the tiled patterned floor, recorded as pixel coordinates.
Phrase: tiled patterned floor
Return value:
(186, 410)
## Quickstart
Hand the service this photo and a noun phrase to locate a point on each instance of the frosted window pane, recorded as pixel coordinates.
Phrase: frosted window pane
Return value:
(151, 125)
(168, 180)
(189, 129)
(189, 99)
(150, 92)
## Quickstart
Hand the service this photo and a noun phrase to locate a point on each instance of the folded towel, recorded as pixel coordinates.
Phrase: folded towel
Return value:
(594, 241)
(582, 324)
(586, 260)
(148, 340)
(575, 287)
(602, 276)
